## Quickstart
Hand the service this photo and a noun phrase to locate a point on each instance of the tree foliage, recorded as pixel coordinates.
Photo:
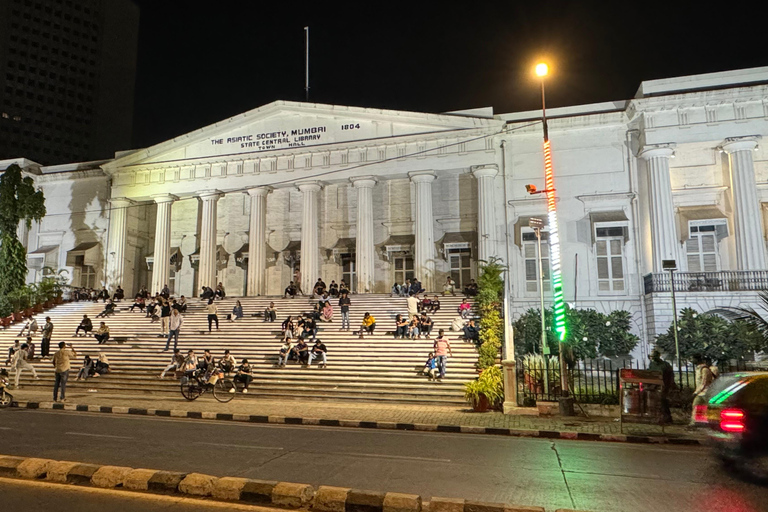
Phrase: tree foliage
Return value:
(589, 333)
(711, 336)
(19, 202)
(489, 296)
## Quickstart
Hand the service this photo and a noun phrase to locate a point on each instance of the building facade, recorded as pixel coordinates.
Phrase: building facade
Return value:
(374, 197)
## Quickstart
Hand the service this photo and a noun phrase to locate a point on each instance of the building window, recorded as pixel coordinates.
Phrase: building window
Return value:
(609, 249)
(701, 247)
(460, 263)
(87, 276)
(530, 255)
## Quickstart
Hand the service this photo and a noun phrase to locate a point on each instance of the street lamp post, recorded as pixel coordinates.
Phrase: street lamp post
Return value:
(671, 266)
(536, 224)
(566, 402)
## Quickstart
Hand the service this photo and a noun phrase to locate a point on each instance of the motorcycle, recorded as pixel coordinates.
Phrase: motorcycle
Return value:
(6, 399)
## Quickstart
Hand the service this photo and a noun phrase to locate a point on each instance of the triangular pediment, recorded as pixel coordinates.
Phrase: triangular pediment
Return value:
(281, 126)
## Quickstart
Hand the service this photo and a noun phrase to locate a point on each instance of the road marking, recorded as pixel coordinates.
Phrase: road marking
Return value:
(95, 435)
(381, 456)
(6, 428)
(242, 446)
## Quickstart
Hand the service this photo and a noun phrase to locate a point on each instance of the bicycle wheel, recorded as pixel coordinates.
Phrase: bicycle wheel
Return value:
(224, 390)
(6, 399)
(190, 390)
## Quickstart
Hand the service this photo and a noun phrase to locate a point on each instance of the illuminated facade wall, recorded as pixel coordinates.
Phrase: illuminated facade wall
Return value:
(678, 172)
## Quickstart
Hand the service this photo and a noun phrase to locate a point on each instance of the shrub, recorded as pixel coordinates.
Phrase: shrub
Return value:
(490, 383)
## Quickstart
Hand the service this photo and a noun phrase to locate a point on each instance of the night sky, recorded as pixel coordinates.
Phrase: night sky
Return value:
(202, 62)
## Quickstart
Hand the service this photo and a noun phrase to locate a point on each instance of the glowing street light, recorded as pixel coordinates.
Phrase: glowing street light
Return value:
(542, 69)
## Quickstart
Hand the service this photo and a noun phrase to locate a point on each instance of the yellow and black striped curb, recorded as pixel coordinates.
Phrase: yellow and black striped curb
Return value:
(385, 425)
(286, 495)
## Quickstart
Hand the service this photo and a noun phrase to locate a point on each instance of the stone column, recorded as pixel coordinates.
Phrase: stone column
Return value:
(364, 250)
(424, 257)
(22, 232)
(662, 212)
(257, 241)
(161, 265)
(750, 241)
(310, 253)
(486, 210)
(118, 233)
(207, 269)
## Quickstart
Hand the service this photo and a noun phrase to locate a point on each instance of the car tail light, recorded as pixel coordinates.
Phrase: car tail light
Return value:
(732, 420)
(700, 415)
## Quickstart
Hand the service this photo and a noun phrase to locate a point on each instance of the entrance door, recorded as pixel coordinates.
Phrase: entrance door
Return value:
(461, 270)
(403, 268)
(348, 273)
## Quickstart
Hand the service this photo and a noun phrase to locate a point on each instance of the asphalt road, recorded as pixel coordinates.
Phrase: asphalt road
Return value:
(553, 474)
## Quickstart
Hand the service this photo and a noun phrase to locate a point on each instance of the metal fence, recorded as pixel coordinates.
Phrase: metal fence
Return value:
(725, 281)
(591, 381)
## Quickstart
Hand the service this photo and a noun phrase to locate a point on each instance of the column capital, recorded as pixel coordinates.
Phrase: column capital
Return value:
(121, 202)
(657, 150)
(364, 181)
(422, 176)
(485, 171)
(259, 191)
(733, 144)
(164, 198)
(309, 186)
(210, 195)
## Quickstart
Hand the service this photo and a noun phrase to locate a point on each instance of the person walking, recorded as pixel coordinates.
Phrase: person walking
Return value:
(176, 320)
(19, 363)
(442, 351)
(213, 311)
(705, 378)
(62, 364)
(344, 304)
(45, 342)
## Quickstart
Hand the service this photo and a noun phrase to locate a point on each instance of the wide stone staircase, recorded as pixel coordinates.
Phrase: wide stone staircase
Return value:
(376, 368)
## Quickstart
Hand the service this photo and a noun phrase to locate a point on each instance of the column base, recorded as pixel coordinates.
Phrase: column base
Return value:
(509, 368)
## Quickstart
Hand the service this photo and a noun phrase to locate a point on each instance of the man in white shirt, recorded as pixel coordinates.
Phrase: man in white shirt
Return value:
(413, 305)
(174, 325)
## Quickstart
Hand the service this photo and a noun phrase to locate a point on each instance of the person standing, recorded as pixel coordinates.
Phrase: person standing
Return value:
(442, 351)
(62, 364)
(213, 312)
(413, 305)
(19, 363)
(297, 281)
(344, 304)
(176, 320)
(165, 317)
(45, 342)
(668, 383)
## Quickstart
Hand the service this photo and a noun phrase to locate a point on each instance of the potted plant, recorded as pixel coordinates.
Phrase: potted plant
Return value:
(487, 391)
(6, 312)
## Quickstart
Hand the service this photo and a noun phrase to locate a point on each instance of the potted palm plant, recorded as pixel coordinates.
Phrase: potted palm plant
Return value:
(6, 312)
(487, 391)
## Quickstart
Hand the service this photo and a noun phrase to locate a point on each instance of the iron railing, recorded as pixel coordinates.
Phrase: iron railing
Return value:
(724, 281)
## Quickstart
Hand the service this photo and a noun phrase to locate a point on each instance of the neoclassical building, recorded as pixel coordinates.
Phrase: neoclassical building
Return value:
(374, 196)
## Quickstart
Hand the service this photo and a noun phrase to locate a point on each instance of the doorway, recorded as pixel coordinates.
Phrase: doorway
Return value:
(460, 262)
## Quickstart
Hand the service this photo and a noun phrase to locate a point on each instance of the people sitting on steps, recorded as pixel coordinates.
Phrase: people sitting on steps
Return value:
(109, 309)
(119, 294)
(368, 325)
(425, 325)
(284, 353)
(333, 289)
(207, 363)
(220, 293)
(395, 290)
(139, 302)
(457, 324)
(31, 327)
(471, 289)
(102, 333)
(319, 288)
(343, 288)
(326, 309)
(207, 293)
(166, 292)
(471, 332)
(86, 325)
(413, 328)
(103, 294)
(434, 305)
(181, 305)
(290, 291)
(449, 287)
(318, 350)
(425, 304)
(101, 366)
(401, 327)
(288, 327)
(244, 375)
(416, 287)
(270, 313)
(227, 363)
(176, 364)
(465, 308)
(430, 367)
(237, 312)
(87, 370)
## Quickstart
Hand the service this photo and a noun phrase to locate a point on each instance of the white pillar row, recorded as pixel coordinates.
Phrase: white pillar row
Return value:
(257, 240)
(118, 233)
(207, 268)
(750, 240)
(662, 212)
(310, 253)
(486, 210)
(424, 253)
(161, 265)
(364, 248)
